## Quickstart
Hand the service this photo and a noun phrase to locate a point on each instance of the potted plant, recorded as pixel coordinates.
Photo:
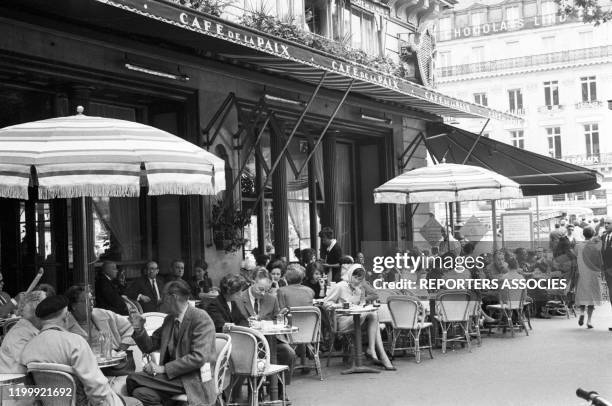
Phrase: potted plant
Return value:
(228, 224)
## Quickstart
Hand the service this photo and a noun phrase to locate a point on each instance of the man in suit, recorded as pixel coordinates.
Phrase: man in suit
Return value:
(224, 309)
(7, 304)
(606, 253)
(147, 289)
(186, 344)
(256, 301)
(54, 344)
(331, 252)
(107, 295)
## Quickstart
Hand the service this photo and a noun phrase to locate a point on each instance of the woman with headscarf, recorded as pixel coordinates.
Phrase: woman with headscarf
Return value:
(350, 290)
(588, 292)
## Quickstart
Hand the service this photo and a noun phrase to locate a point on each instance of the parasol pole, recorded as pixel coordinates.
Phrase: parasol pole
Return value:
(538, 227)
(85, 264)
(494, 224)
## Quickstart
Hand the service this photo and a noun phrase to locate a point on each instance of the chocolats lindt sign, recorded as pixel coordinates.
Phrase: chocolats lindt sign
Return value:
(498, 27)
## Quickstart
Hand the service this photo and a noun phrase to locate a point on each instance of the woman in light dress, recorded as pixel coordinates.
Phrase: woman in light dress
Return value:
(588, 292)
(350, 290)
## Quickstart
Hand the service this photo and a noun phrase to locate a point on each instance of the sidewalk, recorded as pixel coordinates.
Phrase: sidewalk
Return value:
(542, 369)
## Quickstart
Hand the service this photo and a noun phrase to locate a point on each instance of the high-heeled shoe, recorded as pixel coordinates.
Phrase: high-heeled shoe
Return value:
(391, 368)
(589, 325)
(375, 361)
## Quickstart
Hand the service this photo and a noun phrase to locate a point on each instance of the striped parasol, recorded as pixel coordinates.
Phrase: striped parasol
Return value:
(447, 183)
(80, 156)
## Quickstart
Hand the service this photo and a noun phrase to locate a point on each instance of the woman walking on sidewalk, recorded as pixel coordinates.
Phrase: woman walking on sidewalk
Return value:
(588, 292)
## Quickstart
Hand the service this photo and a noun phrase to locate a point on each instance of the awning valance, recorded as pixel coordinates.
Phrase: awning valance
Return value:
(222, 39)
(537, 174)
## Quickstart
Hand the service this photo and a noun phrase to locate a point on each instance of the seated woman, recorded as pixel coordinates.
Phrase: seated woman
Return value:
(315, 279)
(350, 290)
(277, 274)
(223, 309)
(294, 294)
(201, 283)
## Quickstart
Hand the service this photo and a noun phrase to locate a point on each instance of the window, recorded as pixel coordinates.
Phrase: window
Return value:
(477, 19)
(481, 98)
(518, 139)
(589, 88)
(515, 101)
(444, 59)
(363, 31)
(316, 16)
(512, 49)
(591, 136)
(554, 142)
(477, 54)
(551, 93)
(548, 44)
(445, 27)
(512, 13)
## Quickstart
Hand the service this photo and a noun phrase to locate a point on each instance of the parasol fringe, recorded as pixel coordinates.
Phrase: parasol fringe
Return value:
(90, 190)
(174, 188)
(14, 192)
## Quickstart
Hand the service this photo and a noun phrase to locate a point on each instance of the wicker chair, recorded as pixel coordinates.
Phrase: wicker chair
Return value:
(405, 314)
(49, 375)
(153, 321)
(308, 320)
(223, 347)
(334, 333)
(454, 310)
(511, 301)
(250, 359)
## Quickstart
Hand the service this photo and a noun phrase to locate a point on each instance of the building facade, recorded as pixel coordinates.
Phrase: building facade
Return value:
(555, 72)
(310, 104)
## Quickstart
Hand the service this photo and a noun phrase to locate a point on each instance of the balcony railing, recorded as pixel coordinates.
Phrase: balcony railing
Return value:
(551, 108)
(576, 55)
(589, 104)
(516, 112)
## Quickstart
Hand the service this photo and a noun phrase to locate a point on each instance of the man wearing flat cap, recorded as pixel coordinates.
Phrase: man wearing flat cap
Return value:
(54, 344)
(606, 253)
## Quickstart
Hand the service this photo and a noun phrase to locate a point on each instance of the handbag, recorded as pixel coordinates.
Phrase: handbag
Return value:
(125, 367)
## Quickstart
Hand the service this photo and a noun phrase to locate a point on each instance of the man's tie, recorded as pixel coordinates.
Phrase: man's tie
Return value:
(155, 290)
(256, 307)
(2, 300)
(175, 337)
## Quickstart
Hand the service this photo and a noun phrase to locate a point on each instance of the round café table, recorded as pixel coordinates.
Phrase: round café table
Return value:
(271, 331)
(356, 312)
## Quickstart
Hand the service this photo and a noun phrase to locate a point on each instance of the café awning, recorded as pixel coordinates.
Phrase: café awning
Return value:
(537, 174)
(227, 41)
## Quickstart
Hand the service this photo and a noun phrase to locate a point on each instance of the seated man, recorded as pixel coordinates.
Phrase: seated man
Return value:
(256, 301)
(20, 334)
(147, 289)
(295, 294)
(186, 342)
(107, 294)
(56, 345)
